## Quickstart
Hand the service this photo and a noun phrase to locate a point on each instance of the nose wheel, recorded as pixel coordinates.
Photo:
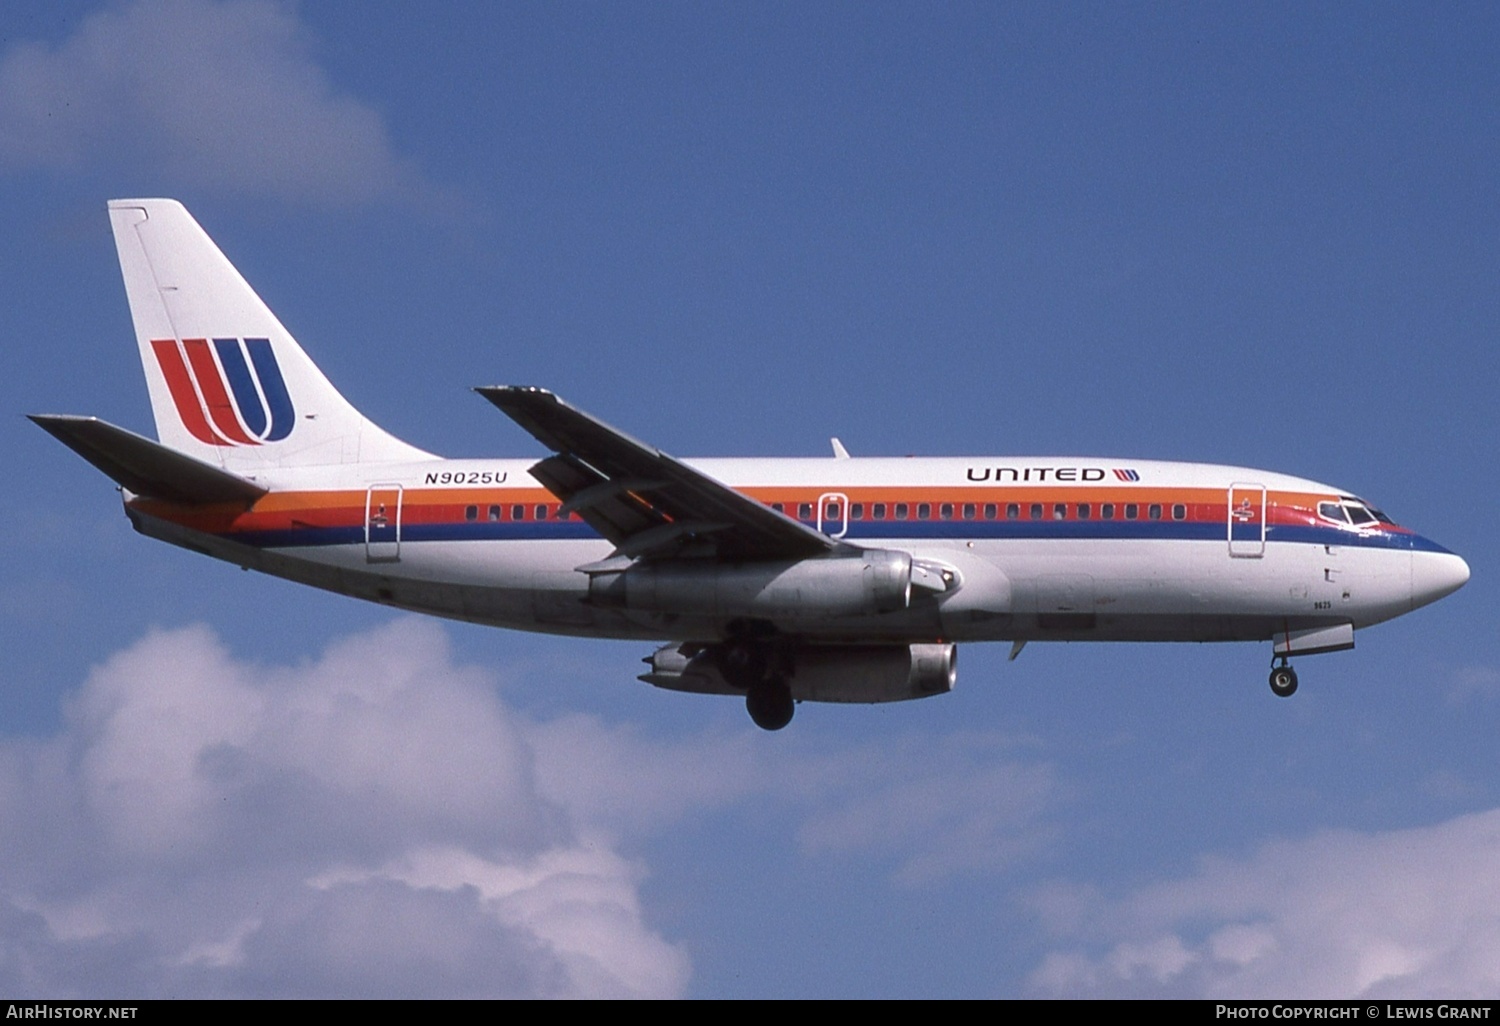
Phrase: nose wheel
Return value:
(1283, 680)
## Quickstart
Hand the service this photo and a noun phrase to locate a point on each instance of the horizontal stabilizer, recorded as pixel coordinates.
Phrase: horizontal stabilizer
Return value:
(146, 467)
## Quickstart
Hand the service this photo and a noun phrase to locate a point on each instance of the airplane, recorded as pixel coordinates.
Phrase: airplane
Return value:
(834, 579)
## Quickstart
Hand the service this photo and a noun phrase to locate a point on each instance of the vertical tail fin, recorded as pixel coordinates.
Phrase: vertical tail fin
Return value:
(228, 383)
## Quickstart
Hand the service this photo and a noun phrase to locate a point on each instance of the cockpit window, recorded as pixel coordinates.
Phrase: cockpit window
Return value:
(1360, 512)
(1349, 510)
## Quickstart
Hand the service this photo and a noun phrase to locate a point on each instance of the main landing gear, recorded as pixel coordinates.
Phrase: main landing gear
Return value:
(769, 703)
(1283, 679)
(761, 668)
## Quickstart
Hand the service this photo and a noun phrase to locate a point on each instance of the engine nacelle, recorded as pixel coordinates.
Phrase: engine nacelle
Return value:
(823, 673)
(874, 581)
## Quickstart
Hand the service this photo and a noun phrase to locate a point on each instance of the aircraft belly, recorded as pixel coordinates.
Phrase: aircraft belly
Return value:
(1181, 590)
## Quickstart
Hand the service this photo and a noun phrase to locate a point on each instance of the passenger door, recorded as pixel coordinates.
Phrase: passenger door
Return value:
(1247, 520)
(833, 514)
(383, 524)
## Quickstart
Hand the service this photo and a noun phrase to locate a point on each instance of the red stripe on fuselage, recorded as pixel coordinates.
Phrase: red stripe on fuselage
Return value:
(423, 506)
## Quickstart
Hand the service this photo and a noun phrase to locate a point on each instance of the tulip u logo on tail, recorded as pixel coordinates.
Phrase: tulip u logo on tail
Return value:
(227, 391)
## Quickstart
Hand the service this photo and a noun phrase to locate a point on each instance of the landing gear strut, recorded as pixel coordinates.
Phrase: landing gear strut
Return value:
(1283, 680)
(761, 668)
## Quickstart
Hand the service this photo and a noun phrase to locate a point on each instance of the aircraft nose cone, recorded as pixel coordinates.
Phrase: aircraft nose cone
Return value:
(1435, 574)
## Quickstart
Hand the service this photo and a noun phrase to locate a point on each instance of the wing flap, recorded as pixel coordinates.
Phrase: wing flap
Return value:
(606, 506)
(146, 467)
(644, 501)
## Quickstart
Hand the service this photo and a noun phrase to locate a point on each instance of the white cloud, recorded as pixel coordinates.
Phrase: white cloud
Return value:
(377, 822)
(367, 824)
(1408, 913)
(225, 94)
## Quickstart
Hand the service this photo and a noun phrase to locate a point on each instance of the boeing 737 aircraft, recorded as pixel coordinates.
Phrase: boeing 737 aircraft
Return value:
(777, 580)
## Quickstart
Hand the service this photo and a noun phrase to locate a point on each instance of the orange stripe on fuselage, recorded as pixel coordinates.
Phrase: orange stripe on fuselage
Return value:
(346, 507)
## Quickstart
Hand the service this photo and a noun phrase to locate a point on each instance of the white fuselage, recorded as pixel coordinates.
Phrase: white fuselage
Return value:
(1018, 549)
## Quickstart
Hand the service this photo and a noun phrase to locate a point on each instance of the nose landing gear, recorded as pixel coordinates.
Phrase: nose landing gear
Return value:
(1283, 680)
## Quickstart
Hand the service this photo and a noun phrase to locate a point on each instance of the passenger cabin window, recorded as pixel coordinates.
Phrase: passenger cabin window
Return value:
(1060, 511)
(879, 511)
(1179, 511)
(924, 511)
(1132, 511)
(518, 512)
(901, 509)
(778, 507)
(494, 512)
(1084, 511)
(541, 512)
(804, 511)
(946, 511)
(856, 511)
(1013, 511)
(1036, 511)
(990, 509)
(968, 511)
(471, 512)
(1107, 511)
(1153, 511)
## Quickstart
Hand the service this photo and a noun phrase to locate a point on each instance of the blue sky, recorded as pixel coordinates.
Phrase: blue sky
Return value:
(1258, 235)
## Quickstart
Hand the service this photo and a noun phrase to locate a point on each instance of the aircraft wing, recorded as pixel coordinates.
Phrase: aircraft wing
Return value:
(646, 502)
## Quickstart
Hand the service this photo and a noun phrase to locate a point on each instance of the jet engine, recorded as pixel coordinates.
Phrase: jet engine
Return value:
(873, 581)
(819, 673)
